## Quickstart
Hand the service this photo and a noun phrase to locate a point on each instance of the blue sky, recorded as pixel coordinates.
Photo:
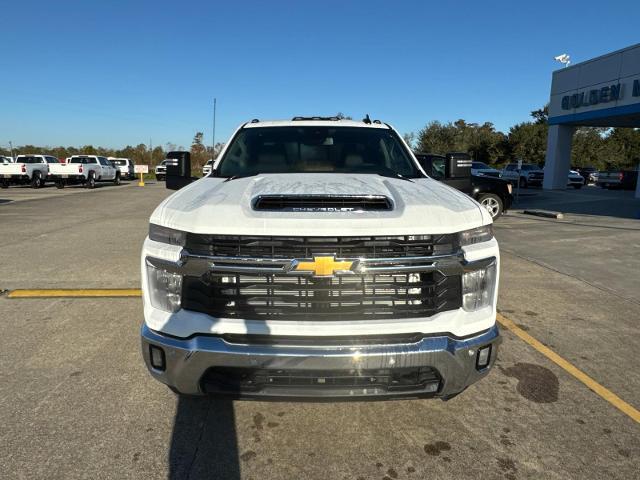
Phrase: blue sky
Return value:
(114, 73)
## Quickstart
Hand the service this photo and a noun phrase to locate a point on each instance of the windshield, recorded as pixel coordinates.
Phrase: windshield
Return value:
(316, 150)
(119, 162)
(480, 165)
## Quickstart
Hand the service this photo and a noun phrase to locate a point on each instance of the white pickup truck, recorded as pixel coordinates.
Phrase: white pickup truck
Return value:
(32, 169)
(161, 170)
(85, 170)
(318, 260)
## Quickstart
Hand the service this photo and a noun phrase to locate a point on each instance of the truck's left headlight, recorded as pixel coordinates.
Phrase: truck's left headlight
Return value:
(478, 287)
(168, 235)
(165, 289)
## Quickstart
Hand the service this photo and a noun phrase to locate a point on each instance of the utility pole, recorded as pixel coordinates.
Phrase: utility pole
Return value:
(213, 135)
(11, 148)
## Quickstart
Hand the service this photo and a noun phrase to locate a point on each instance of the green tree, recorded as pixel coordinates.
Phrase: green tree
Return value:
(436, 137)
(588, 147)
(198, 152)
(621, 148)
(528, 141)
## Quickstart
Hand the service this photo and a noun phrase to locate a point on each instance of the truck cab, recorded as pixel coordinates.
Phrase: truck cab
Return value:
(318, 260)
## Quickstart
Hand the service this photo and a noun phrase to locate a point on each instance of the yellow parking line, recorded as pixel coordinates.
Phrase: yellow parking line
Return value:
(603, 392)
(76, 293)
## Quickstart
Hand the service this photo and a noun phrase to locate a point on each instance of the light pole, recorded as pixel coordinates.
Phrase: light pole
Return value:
(11, 148)
(213, 134)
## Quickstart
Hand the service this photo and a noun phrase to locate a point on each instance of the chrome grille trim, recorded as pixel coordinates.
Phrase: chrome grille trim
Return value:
(198, 265)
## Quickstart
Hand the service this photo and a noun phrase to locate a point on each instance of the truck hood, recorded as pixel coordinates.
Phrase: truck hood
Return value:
(220, 206)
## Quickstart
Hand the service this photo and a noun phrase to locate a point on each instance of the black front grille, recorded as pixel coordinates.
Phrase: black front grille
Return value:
(350, 297)
(322, 203)
(308, 247)
(246, 380)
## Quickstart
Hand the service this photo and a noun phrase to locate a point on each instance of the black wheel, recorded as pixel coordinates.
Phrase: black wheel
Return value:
(4, 184)
(60, 184)
(36, 180)
(577, 186)
(159, 177)
(91, 181)
(116, 181)
(523, 182)
(493, 204)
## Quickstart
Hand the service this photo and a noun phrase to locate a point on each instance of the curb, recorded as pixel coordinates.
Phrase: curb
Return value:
(544, 213)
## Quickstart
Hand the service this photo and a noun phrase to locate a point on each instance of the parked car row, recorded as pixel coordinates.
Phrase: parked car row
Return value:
(86, 170)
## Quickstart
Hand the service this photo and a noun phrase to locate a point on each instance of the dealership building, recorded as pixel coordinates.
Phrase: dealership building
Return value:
(602, 92)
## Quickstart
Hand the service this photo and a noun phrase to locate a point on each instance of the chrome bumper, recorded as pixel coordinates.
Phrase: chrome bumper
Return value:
(187, 360)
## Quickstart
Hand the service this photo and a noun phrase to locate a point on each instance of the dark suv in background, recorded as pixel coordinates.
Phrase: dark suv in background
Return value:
(454, 169)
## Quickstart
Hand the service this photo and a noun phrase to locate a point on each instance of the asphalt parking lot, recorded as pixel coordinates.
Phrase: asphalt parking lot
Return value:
(77, 402)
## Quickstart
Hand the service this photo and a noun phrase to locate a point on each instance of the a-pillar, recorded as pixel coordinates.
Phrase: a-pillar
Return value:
(558, 161)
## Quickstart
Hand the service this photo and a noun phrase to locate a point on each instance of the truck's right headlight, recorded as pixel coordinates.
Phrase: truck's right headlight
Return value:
(478, 287)
(165, 289)
(475, 235)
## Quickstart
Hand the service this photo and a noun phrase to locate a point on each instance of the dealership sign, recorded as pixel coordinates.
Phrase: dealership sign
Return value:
(597, 96)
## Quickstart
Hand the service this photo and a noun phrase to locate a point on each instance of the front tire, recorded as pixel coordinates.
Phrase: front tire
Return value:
(60, 184)
(577, 186)
(493, 204)
(4, 184)
(523, 182)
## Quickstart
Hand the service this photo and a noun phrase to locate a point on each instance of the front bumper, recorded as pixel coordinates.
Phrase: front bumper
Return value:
(187, 363)
(535, 181)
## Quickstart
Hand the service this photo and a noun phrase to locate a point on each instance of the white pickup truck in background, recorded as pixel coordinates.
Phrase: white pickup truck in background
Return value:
(161, 170)
(125, 166)
(85, 170)
(33, 169)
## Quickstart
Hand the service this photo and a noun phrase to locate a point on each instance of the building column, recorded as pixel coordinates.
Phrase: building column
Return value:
(558, 160)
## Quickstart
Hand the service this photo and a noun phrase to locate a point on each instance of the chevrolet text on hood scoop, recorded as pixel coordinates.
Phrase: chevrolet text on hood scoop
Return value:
(317, 259)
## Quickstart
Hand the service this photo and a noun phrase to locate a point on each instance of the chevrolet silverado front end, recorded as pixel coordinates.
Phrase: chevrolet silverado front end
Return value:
(318, 260)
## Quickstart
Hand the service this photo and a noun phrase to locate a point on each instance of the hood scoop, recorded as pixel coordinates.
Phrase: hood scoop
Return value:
(322, 203)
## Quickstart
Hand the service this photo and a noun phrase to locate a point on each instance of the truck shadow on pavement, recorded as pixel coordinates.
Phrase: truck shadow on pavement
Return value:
(204, 442)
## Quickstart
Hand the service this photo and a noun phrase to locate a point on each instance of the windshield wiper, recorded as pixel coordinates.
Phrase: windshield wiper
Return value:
(396, 175)
(236, 177)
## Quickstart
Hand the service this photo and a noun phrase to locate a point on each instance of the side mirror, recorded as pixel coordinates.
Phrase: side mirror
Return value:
(458, 165)
(178, 170)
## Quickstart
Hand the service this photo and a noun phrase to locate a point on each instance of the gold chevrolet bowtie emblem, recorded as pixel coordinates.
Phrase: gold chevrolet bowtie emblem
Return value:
(323, 266)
